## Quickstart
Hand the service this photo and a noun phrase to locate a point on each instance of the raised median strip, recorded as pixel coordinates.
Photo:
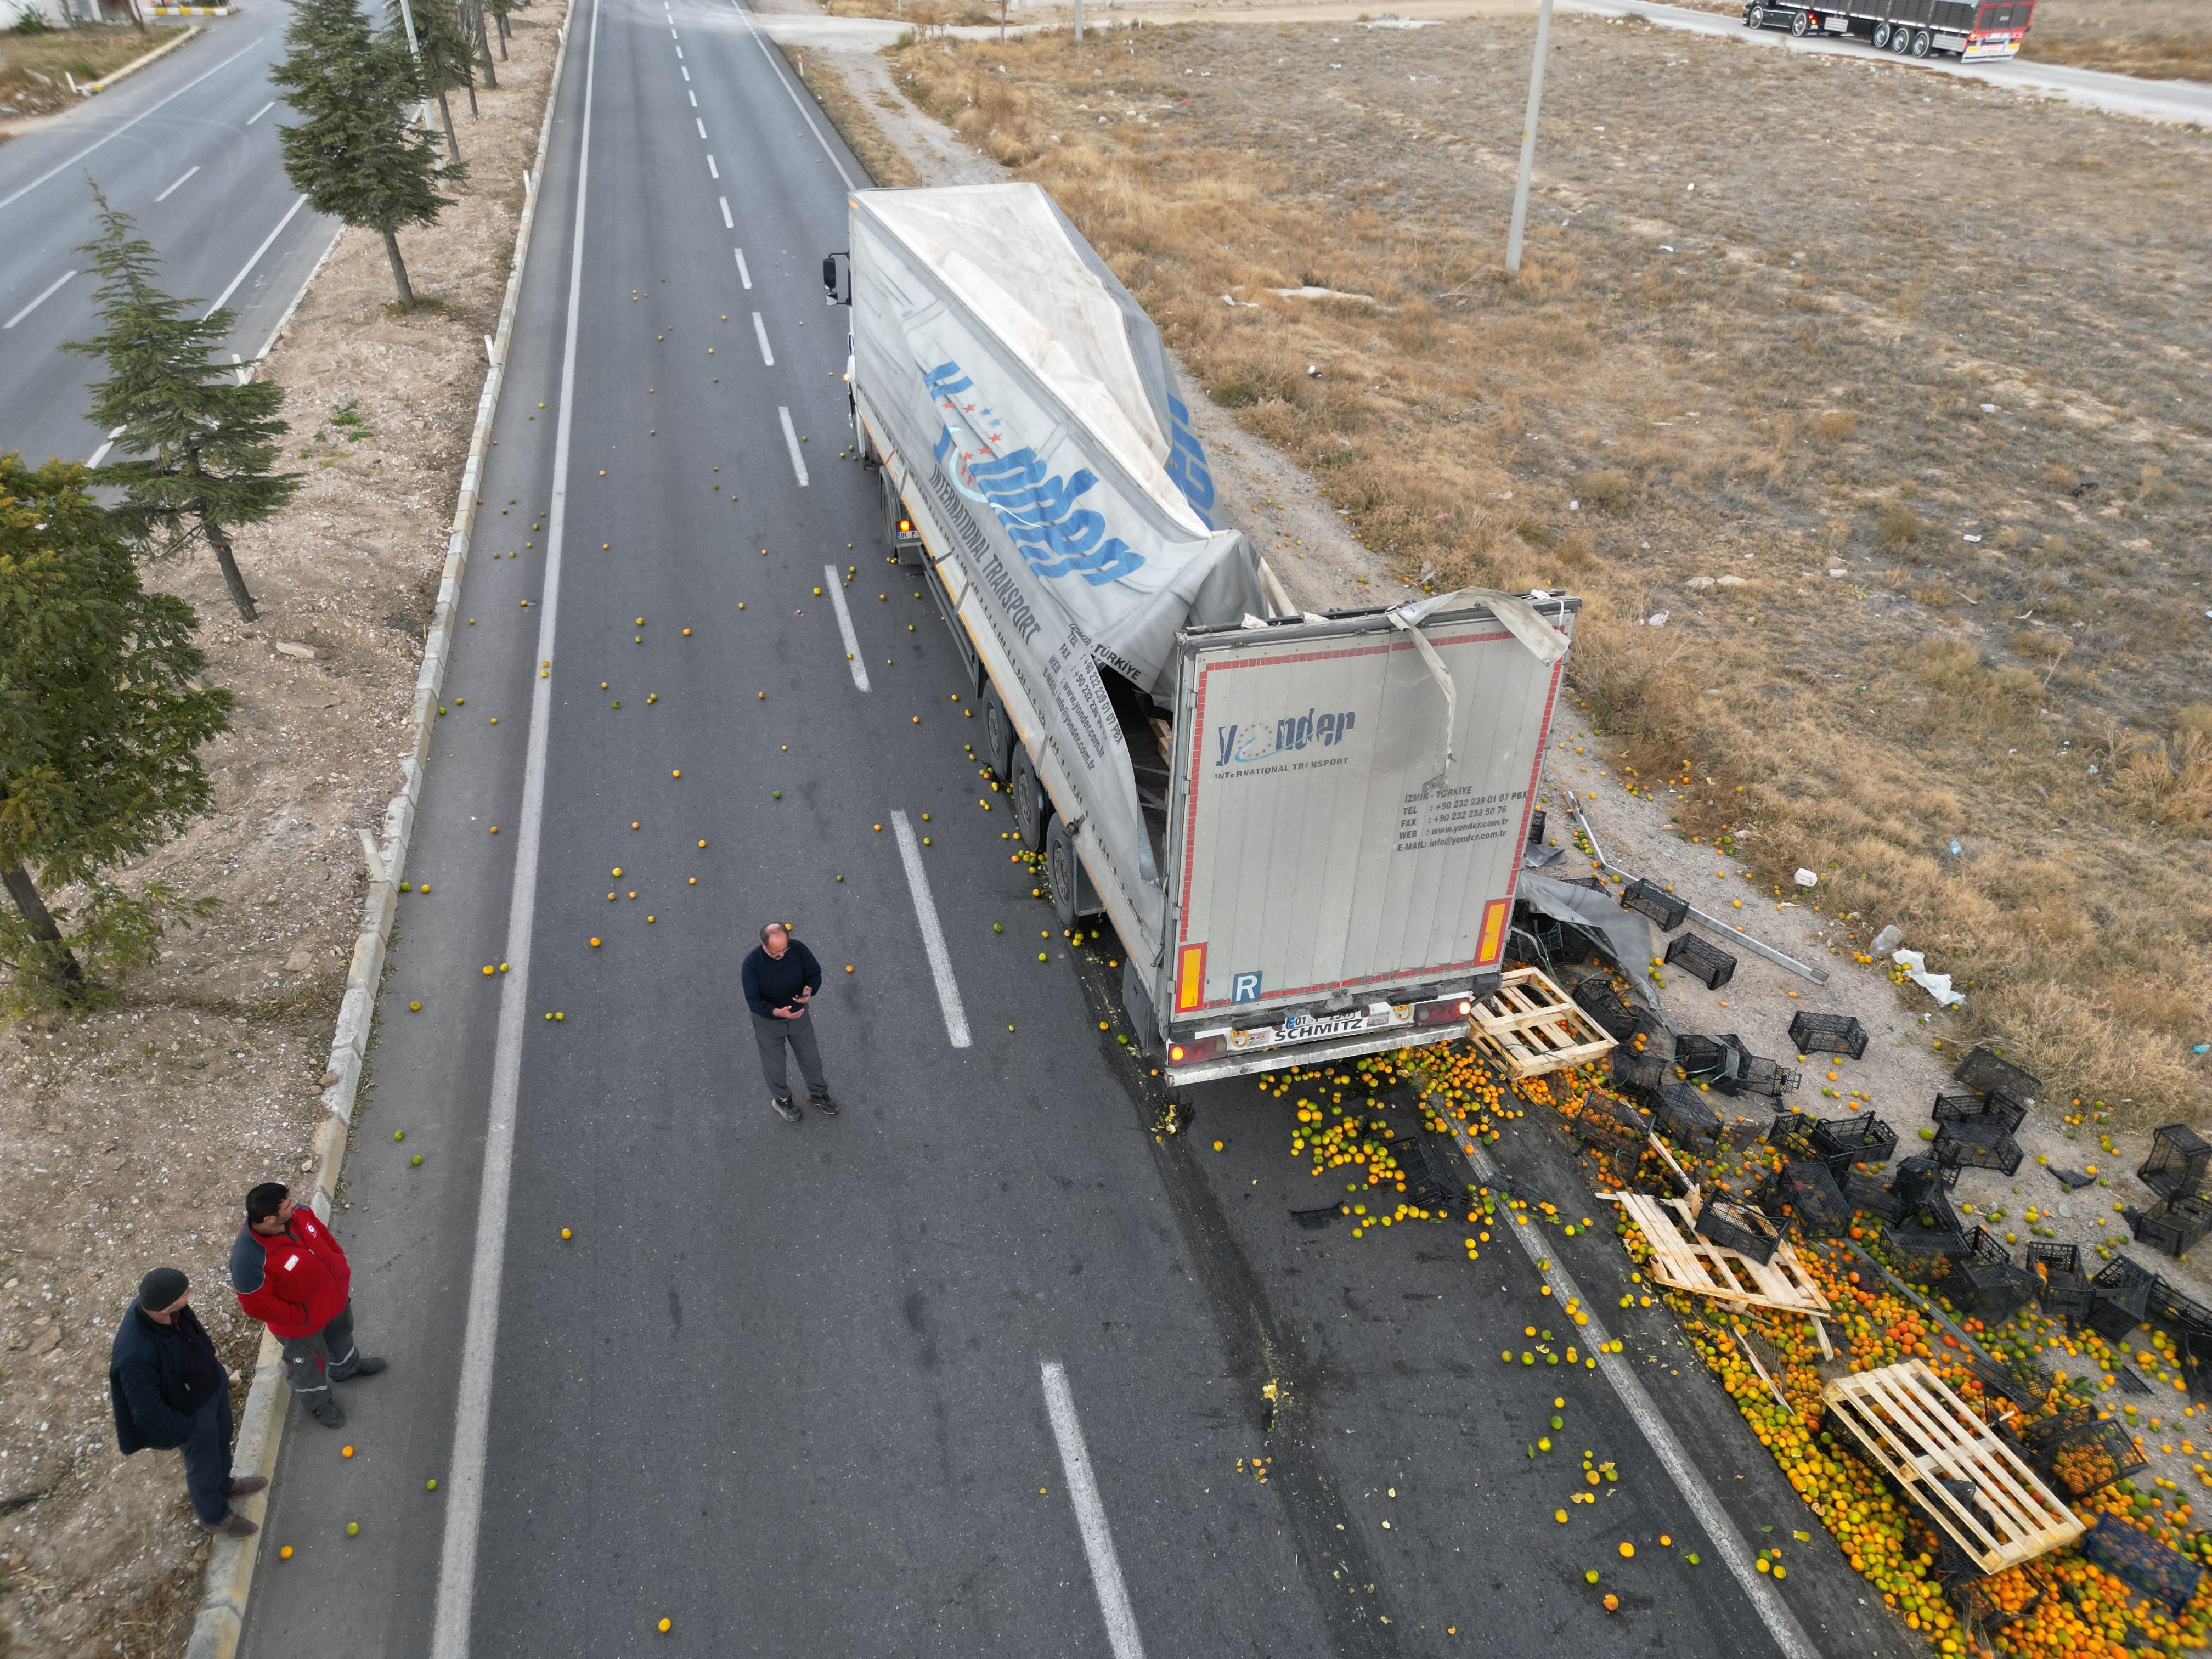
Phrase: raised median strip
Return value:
(137, 63)
(231, 1562)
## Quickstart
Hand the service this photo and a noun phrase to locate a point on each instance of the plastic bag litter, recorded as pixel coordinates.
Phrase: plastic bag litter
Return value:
(1936, 985)
(1888, 940)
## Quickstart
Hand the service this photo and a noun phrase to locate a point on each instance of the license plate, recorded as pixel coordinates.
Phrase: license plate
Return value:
(1312, 1027)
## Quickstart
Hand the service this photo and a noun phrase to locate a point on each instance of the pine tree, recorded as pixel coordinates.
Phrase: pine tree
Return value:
(500, 10)
(439, 61)
(354, 153)
(100, 724)
(480, 35)
(205, 444)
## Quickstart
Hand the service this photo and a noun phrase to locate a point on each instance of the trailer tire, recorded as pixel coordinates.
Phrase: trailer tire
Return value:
(1073, 897)
(1032, 810)
(1900, 41)
(1798, 23)
(1921, 41)
(997, 733)
(1881, 36)
(1754, 17)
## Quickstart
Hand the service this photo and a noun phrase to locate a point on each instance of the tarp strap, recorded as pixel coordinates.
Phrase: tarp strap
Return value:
(1546, 644)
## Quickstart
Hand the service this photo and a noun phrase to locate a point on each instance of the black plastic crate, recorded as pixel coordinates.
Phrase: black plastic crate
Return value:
(1738, 1227)
(1915, 1178)
(2124, 1272)
(2133, 1556)
(1968, 1105)
(2173, 1226)
(2178, 1163)
(2037, 1434)
(1997, 1286)
(1791, 1135)
(1636, 1074)
(1705, 1059)
(1828, 1034)
(1599, 997)
(1649, 899)
(1805, 1196)
(2114, 1315)
(1991, 1073)
(1536, 828)
(2091, 1456)
(1845, 1142)
(2180, 1315)
(1700, 960)
(1864, 1193)
(1925, 1232)
(1685, 1113)
(1605, 1120)
(1754, 1074)
(1977, 1143)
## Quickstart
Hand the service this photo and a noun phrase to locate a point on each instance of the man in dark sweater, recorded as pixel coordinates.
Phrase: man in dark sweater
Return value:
(780, 977)
(170, 1393)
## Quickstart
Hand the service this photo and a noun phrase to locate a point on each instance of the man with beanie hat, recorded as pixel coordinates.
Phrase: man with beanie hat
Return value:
(290, 1274)
(170, 1393)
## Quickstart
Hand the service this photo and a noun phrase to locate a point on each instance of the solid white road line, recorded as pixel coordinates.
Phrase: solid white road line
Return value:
(262, 111)
(1781, 1623)
(925, 913)
(457, 1562)
(776, 68)
(188, 173)
(713, 171)
(18, 194)
(729, 223)
(298, 202)
(845, 626)
(1090, 1516)
(743, 276)
(760, 330)
(48, 292)
(791, 442)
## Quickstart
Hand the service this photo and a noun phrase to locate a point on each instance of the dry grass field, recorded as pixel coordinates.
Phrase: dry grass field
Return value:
(2164, 39)
(1868, 410)
(34, 67)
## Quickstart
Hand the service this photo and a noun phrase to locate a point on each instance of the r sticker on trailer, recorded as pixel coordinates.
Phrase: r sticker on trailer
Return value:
(1492, 942)
(1244, 988)
(1190, 978)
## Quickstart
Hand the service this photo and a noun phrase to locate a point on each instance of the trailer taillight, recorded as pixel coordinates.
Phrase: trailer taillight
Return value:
(1198, 1048)
(906, 527)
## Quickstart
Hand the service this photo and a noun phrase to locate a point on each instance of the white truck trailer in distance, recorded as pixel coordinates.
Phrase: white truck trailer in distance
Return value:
(1305, 828)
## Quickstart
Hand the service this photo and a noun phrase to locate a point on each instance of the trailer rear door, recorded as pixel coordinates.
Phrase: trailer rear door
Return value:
(1325, 853)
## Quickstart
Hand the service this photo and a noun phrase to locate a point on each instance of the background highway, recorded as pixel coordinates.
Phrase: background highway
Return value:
(187, 147)
(814, 1389)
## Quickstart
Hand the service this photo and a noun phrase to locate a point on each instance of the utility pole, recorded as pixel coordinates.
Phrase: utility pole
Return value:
(1079, 22)
(407, 16)
(1527, 138)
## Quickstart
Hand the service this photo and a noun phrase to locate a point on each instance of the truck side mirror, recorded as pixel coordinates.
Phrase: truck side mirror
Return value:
(837, 279)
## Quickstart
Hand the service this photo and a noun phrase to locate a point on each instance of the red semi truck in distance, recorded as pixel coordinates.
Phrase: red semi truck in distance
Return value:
(1965, 29)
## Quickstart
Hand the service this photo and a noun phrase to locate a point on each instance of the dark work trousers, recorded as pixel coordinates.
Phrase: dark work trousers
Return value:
(312, 1364)
(207, 1458)
(772, 1034)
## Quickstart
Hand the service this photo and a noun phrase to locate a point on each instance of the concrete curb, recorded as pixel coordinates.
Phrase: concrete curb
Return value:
(137, 63)
(222, 1617)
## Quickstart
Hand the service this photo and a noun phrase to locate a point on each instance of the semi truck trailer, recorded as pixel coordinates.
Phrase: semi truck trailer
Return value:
(1305, 828)
(1962, 28)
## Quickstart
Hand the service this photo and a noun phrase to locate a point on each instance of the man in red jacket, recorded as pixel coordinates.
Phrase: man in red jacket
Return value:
(290, 1274)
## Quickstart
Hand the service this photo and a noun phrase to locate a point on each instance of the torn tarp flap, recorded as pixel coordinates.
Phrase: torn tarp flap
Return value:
(1625, 933)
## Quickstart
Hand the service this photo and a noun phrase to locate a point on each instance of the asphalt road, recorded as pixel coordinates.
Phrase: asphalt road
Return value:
(817, 1389)
(186, 147)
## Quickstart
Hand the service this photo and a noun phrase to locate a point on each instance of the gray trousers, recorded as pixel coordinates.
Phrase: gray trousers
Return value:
(313, 1363)
(771, 1034)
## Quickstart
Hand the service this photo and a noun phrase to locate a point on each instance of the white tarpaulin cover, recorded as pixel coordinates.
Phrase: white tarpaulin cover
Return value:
(1019, 374)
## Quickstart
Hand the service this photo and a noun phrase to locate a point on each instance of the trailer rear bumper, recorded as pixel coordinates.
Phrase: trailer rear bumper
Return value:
(1253, 1062)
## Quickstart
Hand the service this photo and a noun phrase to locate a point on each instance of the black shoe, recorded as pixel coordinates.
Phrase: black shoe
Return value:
(329, 1414)
(366, 1365)
(822, 1105)
(787, 1111)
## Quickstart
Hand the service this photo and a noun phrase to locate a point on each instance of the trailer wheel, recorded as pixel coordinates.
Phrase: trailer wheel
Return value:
(1754, 17)
(1031, 808)
(1073, 896)
(1921, 41)
(997, 733)
(1798, 24)
(1900, 41)
(1881, 36)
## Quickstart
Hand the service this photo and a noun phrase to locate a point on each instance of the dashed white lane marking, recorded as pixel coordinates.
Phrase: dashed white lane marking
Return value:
(262, 111)
(172, 190)
(729, 223)
(246, 270)
(712, 170)
(791, 441)
(100, 454)
(760, 332)
(1090, 1516)
(845, 626)
(46, 294)
(694, 97)
(21, 191)
(696, 121)
(743, 276)
(932, 934)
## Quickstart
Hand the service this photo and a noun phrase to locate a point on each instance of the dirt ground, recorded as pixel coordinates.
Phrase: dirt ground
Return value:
(2163, 40)
(34, 67)
(128, 1138)
(1710, 361)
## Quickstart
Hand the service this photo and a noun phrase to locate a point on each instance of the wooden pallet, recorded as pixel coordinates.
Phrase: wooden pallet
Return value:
(1921, 1434)
(1681, 1259)
(1530, 1026)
